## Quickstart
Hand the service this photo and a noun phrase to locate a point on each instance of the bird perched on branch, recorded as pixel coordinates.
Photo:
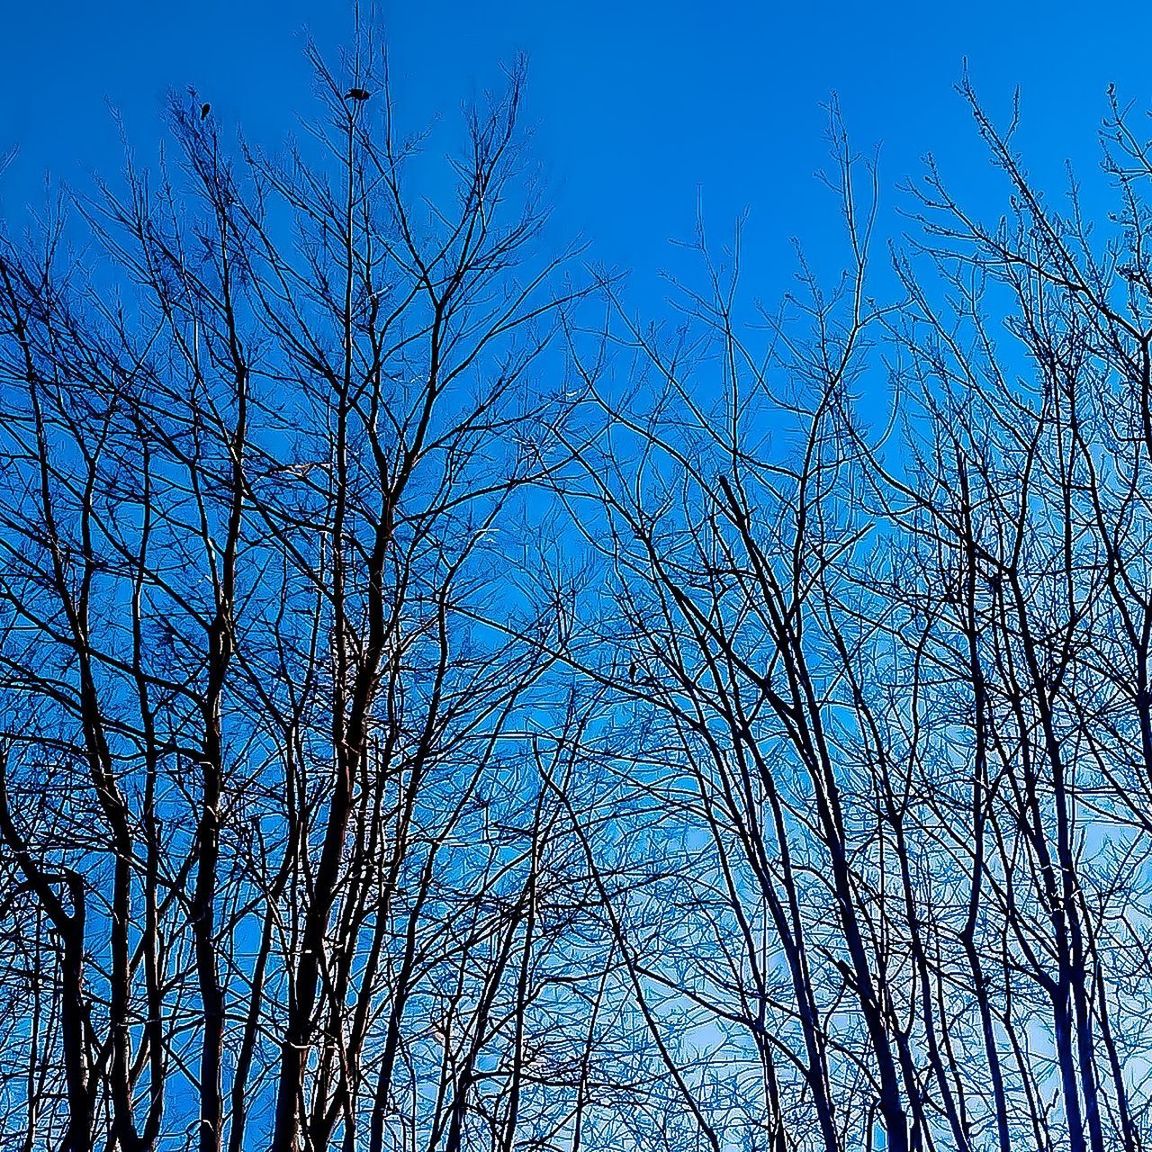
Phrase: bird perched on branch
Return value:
(357, 94)
(204, 110)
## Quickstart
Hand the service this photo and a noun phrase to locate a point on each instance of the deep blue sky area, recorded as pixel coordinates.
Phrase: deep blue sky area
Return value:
(637, 108)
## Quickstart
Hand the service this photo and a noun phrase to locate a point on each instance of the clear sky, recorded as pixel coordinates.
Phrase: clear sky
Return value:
(637, 107)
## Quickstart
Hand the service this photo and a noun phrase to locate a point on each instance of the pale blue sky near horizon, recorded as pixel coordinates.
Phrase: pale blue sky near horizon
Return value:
(638, 110)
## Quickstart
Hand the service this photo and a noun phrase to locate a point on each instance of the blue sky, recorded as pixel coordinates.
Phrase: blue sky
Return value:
(637, 108)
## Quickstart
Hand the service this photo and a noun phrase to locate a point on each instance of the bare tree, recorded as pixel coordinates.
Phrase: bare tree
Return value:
(276, 841)
(420, 731)
(884, 677)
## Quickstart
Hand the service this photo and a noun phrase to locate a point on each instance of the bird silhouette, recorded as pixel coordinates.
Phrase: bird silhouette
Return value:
(204, 110)
(357, 94)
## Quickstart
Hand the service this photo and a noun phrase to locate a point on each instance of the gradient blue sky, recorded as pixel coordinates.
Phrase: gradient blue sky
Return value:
(637, 107)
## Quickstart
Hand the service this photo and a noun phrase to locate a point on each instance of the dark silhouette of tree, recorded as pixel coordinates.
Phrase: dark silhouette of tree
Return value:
(281, 868)
(432, 719)
(884, 677)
